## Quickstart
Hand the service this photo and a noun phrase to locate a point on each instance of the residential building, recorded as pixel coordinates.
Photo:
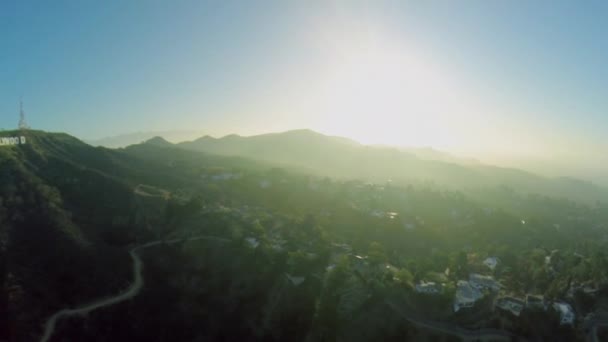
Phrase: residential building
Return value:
(482, 282)
(265, 184)
(295, 280)
(466, 295)
(409, 226)
(511, 304)
(491, 262)
(428, 287)
(225, 176)
(535, 301)
(566, 314)
(252, 242)
(360, 265)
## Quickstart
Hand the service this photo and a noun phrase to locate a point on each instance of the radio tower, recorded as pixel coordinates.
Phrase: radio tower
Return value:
(22, 122)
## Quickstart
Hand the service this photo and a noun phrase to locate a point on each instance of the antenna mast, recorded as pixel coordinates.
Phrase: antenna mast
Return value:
(22, 122)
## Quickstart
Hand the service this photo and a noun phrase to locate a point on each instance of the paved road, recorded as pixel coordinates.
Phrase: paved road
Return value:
(132, 291)
(452, 329)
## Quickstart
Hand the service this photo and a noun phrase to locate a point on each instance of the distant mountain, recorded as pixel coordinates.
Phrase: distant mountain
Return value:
(340, 157)
(303, 148)
(139, 137)
(158, 141)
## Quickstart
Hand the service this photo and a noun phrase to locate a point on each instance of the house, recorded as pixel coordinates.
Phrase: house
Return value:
(428, 287)
(491, 262)
(482, 282)
(341, 247)
(566, 314)
(466, 295)
(391, 268)
(382, 214)
(533, 301)
(409, 226)
(252, 242)
(278, 244)
(586, 288)
(589, 290)
(225, 176)
(360, 265)
(511, 304)
(377, 213)
(295, 280)
(437, 277)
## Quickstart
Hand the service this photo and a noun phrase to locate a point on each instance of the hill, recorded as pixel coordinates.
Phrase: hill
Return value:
(67, 211)
(58, 199)
(158, 141)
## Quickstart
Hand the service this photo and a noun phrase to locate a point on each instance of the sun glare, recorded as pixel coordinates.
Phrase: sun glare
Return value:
(392, 97)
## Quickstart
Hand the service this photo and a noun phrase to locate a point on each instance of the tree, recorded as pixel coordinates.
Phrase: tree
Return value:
(376, 253)
(405, 278)
(460, 264)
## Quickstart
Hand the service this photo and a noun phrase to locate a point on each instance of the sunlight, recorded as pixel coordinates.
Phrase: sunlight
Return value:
(388, 96)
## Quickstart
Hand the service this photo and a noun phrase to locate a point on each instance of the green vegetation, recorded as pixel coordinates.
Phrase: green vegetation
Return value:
(310, 258)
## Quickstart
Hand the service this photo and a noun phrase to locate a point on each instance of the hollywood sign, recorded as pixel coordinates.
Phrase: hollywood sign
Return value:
(11, 141)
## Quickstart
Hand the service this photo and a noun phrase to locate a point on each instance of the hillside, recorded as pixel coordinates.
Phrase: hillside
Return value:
(67, 211)
(56, 208)
(342, 158)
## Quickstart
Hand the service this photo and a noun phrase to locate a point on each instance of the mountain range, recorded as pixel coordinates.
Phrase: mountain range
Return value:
(124, 140)
(344, 158)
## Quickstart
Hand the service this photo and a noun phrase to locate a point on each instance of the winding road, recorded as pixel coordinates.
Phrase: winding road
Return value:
(451, 329)
(132, 291)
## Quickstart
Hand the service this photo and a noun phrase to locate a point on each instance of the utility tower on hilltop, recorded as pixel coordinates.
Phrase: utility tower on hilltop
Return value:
(22, 122)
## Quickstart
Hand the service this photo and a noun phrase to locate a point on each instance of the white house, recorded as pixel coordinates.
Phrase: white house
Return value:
(491, 262)
(483, 282)
(252, 242)
(428, 287)
(295, 280)
(409, 226)
(513, 305)
(377, 213)
(535, 301)
(565, 312)
(221, 176)
(466, 295)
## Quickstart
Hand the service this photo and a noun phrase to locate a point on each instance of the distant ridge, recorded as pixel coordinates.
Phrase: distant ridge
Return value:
(158, 141)
(341, 157)
(125, 140)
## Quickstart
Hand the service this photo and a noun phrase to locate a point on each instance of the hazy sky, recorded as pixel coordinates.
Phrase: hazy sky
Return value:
(492, 78)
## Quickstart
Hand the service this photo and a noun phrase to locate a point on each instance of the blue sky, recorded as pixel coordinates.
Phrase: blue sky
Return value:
(532, 75)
